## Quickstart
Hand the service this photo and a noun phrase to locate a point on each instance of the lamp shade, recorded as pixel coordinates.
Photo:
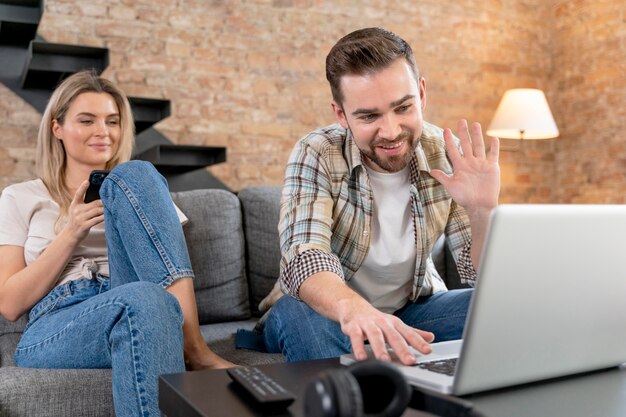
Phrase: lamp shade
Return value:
(523, 113)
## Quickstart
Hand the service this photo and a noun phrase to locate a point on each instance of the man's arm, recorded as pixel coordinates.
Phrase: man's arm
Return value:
(327, 293)
(475, 182)
(479, 222)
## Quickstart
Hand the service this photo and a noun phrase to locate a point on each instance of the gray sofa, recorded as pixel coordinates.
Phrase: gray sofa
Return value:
(233, 244)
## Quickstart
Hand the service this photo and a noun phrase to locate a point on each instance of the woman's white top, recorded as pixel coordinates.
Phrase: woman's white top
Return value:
(27, 218)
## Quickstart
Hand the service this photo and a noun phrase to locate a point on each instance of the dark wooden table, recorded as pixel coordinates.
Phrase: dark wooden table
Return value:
(213, 394)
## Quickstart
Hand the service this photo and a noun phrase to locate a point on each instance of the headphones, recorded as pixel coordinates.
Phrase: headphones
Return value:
(364, 389)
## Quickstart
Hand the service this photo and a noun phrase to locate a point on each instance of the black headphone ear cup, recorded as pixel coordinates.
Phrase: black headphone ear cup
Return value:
(319, 398)
(333, 393)
(349, 397)
(383, 388)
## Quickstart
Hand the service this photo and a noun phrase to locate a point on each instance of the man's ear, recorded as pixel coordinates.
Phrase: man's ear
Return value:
(422, 87)
(339, 114)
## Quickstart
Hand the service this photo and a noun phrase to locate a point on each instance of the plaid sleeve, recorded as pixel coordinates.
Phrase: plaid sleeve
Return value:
(305, 225)
(306, 264)
(465, 266)
(459, 236)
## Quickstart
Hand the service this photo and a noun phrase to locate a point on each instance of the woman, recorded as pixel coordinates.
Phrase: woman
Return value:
(125, 302)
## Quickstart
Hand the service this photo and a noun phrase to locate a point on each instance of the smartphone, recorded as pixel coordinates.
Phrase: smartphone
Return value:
(95, 181)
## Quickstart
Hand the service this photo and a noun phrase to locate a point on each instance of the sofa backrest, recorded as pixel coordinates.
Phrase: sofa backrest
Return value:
(261, 209)
(215, 241)
(234, 249)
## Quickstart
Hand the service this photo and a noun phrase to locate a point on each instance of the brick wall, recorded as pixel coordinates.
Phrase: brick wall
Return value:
(249, 75)
(18, 137)
(589, 86)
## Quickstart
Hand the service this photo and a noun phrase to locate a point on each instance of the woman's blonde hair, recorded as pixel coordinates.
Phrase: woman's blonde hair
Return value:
(51, 160)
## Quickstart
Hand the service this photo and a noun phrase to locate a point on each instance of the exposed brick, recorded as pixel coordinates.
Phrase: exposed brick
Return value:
(122, 12)
(264, 87)
(131, 29)
(261, 60)
(90, 9)
(177, 49)
(154, 63)
(22, 154)
(8, 164)
(269, 129)
(129, 76)
(248, 172)
(151, 14)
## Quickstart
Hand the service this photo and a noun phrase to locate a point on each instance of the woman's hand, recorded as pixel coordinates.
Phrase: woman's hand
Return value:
(82, 217)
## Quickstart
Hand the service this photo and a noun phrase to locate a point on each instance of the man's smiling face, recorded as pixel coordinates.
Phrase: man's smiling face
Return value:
(383, 110)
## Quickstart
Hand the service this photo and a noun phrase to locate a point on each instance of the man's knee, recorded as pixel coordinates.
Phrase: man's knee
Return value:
(462, 297)
(300, 333)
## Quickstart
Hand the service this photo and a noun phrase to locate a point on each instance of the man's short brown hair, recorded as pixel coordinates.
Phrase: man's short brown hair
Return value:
(365, 51)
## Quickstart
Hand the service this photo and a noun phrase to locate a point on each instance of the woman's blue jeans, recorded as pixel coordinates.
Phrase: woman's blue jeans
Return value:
(127, 322)
(298, 332)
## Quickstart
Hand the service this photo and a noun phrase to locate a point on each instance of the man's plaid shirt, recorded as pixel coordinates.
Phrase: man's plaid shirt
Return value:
(326, 210)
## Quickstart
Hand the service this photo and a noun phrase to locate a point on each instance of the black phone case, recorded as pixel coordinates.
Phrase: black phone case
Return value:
(95, 181)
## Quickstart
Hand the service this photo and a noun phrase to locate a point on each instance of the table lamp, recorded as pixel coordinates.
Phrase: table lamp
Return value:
(523, 113)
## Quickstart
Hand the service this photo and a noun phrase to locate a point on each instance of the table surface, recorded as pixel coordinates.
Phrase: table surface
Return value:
(212, 394)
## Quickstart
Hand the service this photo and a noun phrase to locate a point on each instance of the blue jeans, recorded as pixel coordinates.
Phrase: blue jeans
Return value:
(298, 332)
(127, 322)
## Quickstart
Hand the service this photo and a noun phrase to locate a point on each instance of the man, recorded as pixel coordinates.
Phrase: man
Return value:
(363, 203)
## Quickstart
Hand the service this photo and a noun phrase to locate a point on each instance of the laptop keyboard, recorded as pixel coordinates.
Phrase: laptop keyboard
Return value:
(444, 366)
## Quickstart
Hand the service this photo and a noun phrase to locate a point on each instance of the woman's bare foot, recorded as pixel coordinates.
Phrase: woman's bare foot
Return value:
(205, 358)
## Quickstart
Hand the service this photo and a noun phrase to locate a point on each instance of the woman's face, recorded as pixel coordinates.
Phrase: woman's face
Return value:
(91, 130)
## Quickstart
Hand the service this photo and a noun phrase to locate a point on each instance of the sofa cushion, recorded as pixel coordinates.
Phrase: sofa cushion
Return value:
(261, 209)
(215, 241)
(55, 392)
(221, 339)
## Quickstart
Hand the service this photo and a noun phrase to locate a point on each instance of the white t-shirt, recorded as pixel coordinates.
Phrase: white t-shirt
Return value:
(385, 278)
(27, 217)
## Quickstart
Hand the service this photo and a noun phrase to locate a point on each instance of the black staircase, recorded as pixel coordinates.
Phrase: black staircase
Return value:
(47, 64)
(32, 68)
(19, 20)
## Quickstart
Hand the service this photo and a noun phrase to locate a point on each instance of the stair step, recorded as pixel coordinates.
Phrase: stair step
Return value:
(19, 21)
(193, 180)
(148, 111)
(182, 158)
(47, 64)
(27, 3)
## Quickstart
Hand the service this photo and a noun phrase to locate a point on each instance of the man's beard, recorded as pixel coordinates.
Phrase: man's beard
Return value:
(392, 163)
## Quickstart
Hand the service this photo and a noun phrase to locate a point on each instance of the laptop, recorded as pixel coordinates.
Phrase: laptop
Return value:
(550, 301)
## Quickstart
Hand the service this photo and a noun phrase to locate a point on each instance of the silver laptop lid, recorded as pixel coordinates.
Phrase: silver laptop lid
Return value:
(551, 297)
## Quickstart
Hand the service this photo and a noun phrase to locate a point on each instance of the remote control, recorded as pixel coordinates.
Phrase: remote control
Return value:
(265, 391)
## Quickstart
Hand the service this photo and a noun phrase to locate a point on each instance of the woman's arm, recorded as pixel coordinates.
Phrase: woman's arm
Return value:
(21, 286)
